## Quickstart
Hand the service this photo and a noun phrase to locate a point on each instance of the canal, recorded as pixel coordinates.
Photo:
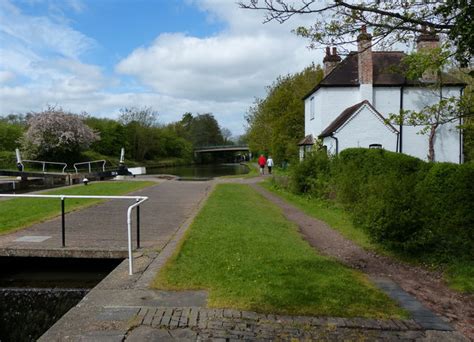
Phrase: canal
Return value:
(36, 292)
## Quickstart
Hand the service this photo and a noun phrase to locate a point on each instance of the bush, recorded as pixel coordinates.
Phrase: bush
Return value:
(389, 211)
(446, 205)
(311, 176)
(360, 174)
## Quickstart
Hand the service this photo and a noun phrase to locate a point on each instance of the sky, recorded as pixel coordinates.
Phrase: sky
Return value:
(176, 56)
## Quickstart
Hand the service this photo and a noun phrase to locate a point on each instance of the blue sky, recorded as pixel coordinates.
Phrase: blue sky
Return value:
(176, 56)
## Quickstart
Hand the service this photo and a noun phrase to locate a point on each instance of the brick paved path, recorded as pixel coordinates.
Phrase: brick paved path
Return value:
(193, 323)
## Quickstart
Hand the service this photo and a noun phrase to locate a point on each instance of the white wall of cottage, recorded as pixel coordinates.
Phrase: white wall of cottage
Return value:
(331, 101)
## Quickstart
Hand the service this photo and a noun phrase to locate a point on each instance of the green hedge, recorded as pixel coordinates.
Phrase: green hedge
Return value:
(446, 202)
(312, 175)
(403, 202)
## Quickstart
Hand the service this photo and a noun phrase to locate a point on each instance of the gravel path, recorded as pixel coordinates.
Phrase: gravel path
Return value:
(428, 287)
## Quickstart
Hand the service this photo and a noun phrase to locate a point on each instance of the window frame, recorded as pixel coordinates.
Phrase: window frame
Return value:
(311, 108)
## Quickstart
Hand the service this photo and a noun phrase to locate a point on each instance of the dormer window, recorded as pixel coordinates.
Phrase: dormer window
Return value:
(311, 108)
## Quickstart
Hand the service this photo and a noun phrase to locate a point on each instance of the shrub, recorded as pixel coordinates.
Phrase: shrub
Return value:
(356, 171)
(446, 205)
(311, 176)
(390, 212)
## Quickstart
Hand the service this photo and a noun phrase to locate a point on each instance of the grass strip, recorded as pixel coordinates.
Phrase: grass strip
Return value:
(249, 257)
(18, 213)
(325, 211)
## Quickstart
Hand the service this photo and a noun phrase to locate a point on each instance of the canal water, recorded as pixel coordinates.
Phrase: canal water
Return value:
(201, 171)
(36, 292)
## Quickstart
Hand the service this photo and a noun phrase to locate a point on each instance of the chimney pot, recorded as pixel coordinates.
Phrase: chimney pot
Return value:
(330, 61)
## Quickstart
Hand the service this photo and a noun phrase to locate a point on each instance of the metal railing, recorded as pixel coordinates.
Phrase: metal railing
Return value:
(138, 200)
(89, 163)
(42, 162)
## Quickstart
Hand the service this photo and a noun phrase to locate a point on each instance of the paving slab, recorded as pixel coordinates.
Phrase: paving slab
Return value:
(101, 230)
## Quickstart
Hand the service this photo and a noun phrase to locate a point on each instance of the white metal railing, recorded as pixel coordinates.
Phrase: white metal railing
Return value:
(138, 200)
(89, 163)
(43, 163)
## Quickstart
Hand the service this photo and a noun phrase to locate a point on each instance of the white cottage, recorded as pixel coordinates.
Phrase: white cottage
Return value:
(349, 107)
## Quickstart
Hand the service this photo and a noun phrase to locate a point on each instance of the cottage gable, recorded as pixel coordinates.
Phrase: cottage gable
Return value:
(351, 113)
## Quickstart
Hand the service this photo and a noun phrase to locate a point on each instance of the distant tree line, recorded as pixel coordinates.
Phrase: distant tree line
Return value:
(59, 135)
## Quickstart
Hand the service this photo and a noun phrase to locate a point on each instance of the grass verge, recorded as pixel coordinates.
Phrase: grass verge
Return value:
(325, 211)
(21, 212)
(458, 274)
(249, 257)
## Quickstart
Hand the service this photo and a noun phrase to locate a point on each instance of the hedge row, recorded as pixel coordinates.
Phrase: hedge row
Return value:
(403, 202)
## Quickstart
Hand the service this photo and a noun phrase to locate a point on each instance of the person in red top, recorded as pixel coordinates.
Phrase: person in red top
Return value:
(262, 161)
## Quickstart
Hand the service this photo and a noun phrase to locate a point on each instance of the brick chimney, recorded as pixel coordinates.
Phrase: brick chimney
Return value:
(330, 61)
(426, 41)
(365, 64)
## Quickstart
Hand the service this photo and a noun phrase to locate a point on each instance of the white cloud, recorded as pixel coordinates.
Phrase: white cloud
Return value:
(221, 68)
(6, 76)
(41, 33)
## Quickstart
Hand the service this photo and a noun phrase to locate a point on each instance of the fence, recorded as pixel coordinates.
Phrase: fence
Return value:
(138, 200)
(89, 163)
(44, 163)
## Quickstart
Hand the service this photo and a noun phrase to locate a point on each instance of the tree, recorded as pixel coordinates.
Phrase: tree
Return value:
(227, 136)
(112, 136)
(145, 116)
(139, 123)
(205, 131)
(200, 130)
(58, 135)
(338, 22)
(10, 134)
(276, 123)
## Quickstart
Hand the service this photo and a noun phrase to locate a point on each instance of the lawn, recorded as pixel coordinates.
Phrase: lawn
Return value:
(248, 256)
(21, 212)
(458, 274)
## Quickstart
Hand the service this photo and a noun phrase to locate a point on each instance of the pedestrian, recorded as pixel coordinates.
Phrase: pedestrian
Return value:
(262, 162)
(270, 164)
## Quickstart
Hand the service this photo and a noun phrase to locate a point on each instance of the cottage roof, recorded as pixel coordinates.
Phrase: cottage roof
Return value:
(307, 140)
(347, 114)
(387, 71)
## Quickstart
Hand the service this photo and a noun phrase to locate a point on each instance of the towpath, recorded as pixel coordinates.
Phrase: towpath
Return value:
(101, 230)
